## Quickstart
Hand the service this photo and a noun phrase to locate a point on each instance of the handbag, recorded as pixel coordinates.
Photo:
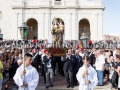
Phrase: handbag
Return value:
(5, 76)
(114, 77)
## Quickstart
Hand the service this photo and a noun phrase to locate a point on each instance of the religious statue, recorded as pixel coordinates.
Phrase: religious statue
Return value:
(57, 31)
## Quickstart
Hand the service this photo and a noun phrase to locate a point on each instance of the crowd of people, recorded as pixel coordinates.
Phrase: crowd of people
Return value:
(85, 66)
(67, 43)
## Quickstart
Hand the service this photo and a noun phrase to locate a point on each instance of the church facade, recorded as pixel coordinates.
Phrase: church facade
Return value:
(78, 16)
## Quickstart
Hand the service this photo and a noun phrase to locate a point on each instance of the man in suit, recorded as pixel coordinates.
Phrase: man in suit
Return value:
(36, 59)
(78, 63)
(48, 69)
(92, 56)
(68, 68)
(42, 64)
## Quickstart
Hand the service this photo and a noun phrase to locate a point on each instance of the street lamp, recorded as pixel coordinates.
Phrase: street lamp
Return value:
(23, 30)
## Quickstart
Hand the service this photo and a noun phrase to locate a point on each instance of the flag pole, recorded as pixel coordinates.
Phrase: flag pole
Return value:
(86, 69)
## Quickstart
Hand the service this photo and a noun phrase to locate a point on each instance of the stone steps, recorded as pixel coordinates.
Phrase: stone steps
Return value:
(106, 87)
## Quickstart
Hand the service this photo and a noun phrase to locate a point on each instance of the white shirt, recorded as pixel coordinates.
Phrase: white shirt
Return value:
(49, 64)
(42, 57)
(119, 82)
(99, 61)
(40, 52)
(31, 53)
(31, 78)
(114, 52)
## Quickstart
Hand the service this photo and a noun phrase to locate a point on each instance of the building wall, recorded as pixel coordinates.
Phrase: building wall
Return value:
(109, 37)
(70, 11)
(6, 23)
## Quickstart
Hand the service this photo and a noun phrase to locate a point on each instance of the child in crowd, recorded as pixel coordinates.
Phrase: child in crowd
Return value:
(87, 76)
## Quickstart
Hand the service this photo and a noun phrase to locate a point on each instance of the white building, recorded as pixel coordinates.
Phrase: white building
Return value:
(39, 14)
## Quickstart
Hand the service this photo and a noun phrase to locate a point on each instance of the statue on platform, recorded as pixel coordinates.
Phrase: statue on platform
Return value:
(57, 31)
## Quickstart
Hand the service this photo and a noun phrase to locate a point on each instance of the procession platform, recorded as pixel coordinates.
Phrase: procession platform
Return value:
(59, 84)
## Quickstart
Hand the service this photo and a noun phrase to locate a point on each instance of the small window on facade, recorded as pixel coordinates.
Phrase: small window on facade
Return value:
(57, 0)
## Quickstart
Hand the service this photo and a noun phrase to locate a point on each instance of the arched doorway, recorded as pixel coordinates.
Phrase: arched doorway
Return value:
(33, 28)
(84, 26)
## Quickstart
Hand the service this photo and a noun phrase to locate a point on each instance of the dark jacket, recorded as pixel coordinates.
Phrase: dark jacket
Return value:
(36, 59)
(68, 63)
(115, 75)
(35, 62)
(46, 60)
(78, 63)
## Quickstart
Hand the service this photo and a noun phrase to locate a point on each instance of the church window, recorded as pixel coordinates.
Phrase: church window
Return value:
(57, 0)
(89, 0)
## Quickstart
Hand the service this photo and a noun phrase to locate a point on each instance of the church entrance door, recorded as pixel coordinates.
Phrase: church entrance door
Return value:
(33, 28)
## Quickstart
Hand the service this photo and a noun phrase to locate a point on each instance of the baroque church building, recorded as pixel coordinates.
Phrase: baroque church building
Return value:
(41, 16)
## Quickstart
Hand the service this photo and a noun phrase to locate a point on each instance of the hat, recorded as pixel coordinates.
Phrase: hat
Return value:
(45, 51)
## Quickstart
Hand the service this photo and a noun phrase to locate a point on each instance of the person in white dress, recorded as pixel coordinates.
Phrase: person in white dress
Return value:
(87, 76)
(26, 79)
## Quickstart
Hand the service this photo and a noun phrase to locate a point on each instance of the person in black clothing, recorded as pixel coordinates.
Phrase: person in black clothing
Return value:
(118, 71)
(14, 65)
(108, 61)
(54, 63)
(42, 64)
(36, 59)
(68, 68)
(78, 63)
(115, 76)
(6, 73)
(91, 54)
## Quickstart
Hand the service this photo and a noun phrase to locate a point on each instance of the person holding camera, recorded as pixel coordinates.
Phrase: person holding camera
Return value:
(108, 60)
(48, 61)
(68, 60)
(111, 63)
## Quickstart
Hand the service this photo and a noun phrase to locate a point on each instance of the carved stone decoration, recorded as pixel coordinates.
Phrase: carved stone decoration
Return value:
(57, 31)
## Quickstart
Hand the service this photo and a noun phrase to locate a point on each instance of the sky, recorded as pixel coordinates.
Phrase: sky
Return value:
(111, 17)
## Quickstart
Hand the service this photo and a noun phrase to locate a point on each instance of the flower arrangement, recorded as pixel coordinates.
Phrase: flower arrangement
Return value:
(57, 51)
